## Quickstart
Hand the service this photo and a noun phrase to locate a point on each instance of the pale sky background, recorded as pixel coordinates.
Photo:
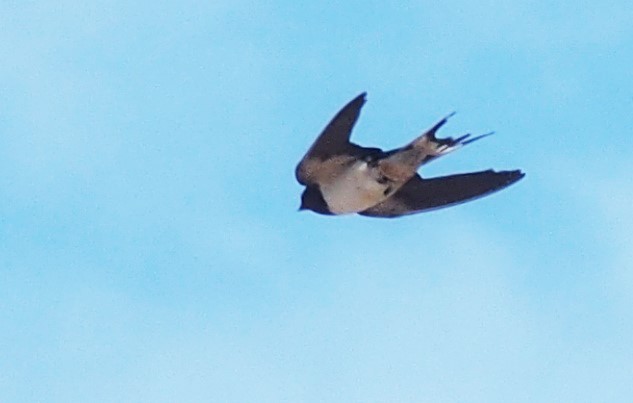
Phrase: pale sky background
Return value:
(150, 247)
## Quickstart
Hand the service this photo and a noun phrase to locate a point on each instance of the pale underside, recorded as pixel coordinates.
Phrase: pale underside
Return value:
(355, 189)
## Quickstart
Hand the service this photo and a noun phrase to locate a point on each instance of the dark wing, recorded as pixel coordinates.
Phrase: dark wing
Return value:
(333, 140)
(419, 194)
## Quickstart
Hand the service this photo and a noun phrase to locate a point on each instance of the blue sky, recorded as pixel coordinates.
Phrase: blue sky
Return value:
(150, 248)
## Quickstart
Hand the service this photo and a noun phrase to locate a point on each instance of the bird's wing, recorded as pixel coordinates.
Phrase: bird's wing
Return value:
(419, 194)
(333, 140)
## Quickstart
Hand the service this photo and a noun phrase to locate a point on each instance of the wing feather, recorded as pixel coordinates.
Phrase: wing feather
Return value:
(418, 195)
(333, 140)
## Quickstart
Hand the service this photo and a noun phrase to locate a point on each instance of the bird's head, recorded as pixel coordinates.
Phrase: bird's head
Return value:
(312, 199)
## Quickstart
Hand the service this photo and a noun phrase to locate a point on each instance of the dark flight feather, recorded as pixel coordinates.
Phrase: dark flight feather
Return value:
(419, 194)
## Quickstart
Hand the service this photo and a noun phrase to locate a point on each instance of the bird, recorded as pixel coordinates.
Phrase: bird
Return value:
(341, 177)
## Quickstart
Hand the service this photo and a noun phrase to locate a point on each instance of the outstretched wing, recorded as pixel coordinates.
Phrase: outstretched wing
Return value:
(334, 140)
(419, 194)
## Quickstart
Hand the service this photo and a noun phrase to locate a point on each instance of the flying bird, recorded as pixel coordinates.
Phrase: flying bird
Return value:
(341, 177)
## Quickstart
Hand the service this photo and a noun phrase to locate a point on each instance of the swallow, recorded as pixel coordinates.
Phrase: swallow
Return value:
(341, 177)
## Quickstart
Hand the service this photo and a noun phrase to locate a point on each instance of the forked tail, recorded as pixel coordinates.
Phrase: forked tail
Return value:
(434, 147)
(401, 164)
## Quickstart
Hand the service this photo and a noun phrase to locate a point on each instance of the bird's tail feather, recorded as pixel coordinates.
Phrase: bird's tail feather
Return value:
(434, 147)
(401, 164)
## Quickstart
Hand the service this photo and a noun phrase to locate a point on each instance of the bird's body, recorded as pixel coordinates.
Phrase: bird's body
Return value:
(355, 189)
(344, 178)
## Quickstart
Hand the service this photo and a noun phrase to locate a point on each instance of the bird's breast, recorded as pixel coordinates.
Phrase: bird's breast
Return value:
(353, 190)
